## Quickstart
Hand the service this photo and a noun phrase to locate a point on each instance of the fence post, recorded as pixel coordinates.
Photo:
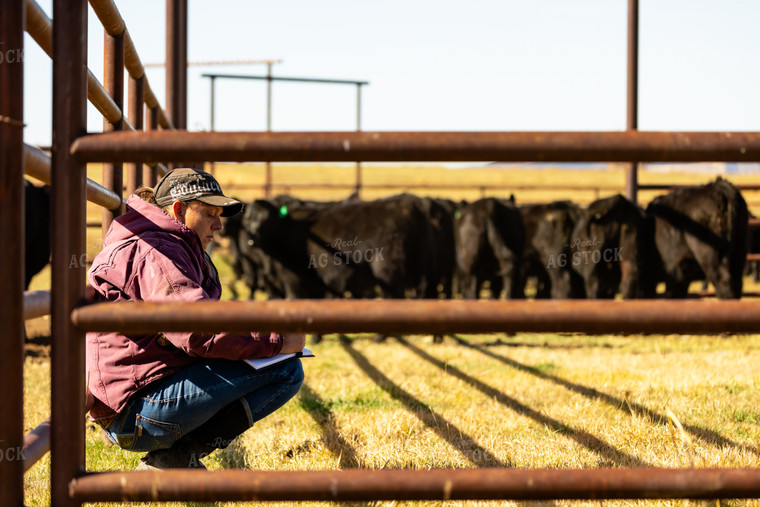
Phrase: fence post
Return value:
(632, 169)
(150, 173)
(135, 171)
(12, 253)
(68, 278)
(268, 164)
(176, 64)
(212, 116)
(113, 81)
(358, 186)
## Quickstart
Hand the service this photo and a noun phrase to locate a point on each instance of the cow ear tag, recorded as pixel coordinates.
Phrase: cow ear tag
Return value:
(283, 210)
(457, 214)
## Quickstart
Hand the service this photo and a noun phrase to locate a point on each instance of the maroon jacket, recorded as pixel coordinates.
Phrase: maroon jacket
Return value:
(149, 256)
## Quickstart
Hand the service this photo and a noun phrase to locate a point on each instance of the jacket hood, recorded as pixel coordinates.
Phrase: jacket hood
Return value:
(142, 217)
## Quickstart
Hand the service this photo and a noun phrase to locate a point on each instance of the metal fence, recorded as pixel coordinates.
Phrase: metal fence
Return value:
(72, 84)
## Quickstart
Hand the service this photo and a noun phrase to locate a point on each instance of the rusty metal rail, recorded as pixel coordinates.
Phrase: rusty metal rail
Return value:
(659, 186)
(12, 253)
(114, 25)
(36, 304)
(425, 316)
(40, 27)
(423, 186)
(419, 146)
(68, 240)
(37, 165)
(36, 444)
(469, 484)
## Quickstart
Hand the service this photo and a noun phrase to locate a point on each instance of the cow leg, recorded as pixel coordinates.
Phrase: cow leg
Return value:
(447, 286)
(512, 284)
(726, 286)
(469, 286)
(591, 283)
(676, 288)
(544, 285)
(717, 269)
(560, 287)
(496, 286)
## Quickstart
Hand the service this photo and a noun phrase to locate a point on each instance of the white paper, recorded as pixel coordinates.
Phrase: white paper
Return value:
(262, 362)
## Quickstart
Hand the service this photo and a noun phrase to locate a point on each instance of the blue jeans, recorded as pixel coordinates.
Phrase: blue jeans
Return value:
(169, 408)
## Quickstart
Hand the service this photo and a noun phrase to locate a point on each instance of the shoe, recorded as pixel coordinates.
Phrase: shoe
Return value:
(178, 456)
(143, 465)
(216, 433)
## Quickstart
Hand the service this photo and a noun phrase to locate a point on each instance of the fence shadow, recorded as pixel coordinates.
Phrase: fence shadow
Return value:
(461, 441)
(235, 456)
(591, 442)
(331, 436)
(510, 342)
(623, 405)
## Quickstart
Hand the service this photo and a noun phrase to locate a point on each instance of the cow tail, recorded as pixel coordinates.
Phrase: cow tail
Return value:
(738, 220)
(737, 225)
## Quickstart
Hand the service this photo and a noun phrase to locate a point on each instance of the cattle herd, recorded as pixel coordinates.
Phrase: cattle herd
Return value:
(407, 246)
(421, 247)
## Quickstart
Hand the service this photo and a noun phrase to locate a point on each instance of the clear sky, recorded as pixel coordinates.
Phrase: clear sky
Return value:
(446, 65)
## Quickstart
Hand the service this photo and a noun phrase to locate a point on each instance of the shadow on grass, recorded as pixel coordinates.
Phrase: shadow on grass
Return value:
(545, 345)
(623, 405)
(467, 447)
(322, 415)
(584, 438)
(37, 347)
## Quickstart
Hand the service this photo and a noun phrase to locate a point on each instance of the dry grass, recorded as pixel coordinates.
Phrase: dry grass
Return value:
(528, 400)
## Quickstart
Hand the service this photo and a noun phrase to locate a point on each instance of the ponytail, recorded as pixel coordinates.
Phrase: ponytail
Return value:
(147, 195)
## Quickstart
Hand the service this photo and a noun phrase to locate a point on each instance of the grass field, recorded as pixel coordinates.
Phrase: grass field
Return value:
(527, 400)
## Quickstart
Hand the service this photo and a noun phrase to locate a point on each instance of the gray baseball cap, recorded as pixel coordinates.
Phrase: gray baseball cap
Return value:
(186, 184)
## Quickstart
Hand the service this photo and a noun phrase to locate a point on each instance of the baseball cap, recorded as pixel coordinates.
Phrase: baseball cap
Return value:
(186, 184)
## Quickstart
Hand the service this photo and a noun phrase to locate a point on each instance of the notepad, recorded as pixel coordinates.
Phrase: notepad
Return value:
(262, 362)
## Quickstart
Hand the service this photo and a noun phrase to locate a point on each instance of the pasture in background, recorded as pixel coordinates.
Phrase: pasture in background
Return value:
(246, 181)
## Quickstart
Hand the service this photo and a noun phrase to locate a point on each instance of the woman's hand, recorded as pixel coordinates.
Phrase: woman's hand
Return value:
(293, 343)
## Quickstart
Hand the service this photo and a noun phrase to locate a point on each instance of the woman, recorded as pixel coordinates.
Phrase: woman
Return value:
(178, 396)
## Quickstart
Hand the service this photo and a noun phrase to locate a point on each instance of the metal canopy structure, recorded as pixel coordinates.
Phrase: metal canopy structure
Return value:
(269, 78)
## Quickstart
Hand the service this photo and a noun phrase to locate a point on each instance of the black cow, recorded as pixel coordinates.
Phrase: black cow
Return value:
(248, 260)
(273, 248)
(361, 249)
(440, 213)
(547, 256)
(238, 243)
(701, 233)
(383, 247)
(611, 248)
(752, 268)
(489, 237)
(36, 230)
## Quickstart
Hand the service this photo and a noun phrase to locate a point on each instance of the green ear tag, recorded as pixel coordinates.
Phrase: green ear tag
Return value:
(283, 210)
(457, 214)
